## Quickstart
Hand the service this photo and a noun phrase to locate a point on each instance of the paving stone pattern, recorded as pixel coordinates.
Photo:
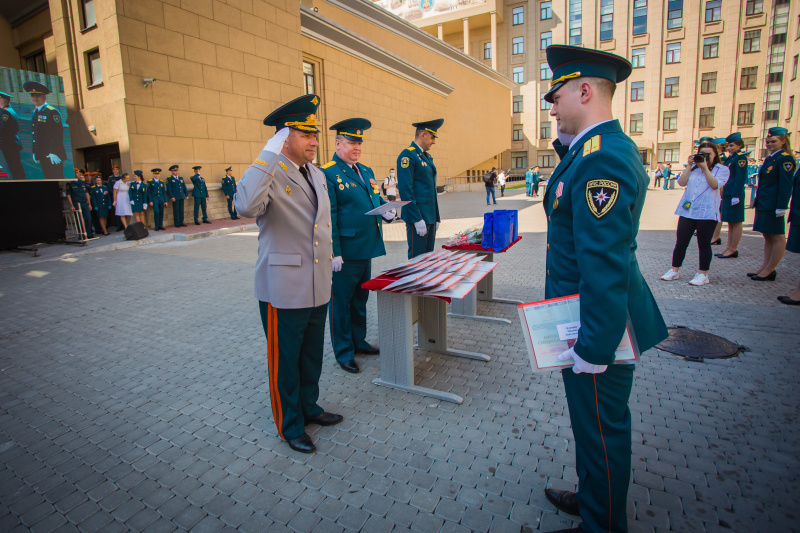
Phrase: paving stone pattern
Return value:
(133, 397)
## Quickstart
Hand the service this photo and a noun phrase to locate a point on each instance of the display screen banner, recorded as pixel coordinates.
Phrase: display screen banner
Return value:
(412, 10)
(35, 139)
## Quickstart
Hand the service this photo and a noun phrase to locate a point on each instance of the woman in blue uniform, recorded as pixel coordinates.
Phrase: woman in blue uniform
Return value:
(793, 241)
(732, 205)
(138, 195)
(101, 201)
(772, 201)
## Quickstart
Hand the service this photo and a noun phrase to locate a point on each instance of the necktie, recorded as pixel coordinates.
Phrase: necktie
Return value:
(355, 169)
(304, 172)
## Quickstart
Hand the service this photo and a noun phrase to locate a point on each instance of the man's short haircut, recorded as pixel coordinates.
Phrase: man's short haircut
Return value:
(603, 86)
(391, 168)
(493, 168)
(419, 132)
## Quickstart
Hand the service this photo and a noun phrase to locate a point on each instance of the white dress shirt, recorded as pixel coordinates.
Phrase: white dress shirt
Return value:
(705, 200)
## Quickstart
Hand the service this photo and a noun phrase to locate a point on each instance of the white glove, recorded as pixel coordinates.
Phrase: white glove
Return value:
(131, 202)
(389, 215)
(145, 207)
(337, 263)
(437, 225)
(780, 212)
(581, 366)
(734, 201)
(54, 159)
(275, 144)
(421, 227)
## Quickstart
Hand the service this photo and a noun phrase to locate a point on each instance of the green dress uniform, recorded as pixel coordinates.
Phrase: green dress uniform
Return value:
(10, 144)
(793, 239)
(416, 183)
(593, 203)
(101, 200)
(176, 188)
(138, 195)
(529, 183)
(357, 239)
(77, 191)
(774, 192)
(199, 193)
(47, 134)
(229, 190)
(157, 195)
(293, 270)
(734, 188)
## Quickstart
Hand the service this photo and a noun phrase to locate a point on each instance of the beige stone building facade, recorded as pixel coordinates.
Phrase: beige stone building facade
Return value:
(701, 67)
(150, 83)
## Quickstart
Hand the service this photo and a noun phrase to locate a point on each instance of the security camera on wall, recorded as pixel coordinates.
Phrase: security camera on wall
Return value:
(148, 81)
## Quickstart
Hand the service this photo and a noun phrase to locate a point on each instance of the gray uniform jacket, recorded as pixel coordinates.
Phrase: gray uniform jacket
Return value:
(295, 254)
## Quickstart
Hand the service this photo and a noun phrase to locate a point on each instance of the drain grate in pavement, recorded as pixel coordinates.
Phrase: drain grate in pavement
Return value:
(698, 345)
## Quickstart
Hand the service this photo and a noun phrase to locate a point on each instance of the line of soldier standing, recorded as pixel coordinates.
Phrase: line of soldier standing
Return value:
(95, 199)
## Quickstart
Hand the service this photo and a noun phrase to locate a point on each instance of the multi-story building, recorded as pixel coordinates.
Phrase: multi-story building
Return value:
(701, 67)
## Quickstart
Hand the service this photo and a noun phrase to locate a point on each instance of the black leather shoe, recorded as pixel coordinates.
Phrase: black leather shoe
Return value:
(564, 500)
(206, 222)
(196, 223)
(788, 301)
(372, 350)
(770, 277)
(302, 444)
(734, 255)
(718, 241)
(350, 366)
(751, 274)
(326, 419)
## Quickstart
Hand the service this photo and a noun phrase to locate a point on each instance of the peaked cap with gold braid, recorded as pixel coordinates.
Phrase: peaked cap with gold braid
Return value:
(299, 114)
(570, 62)
(431, 126)
(352, 129)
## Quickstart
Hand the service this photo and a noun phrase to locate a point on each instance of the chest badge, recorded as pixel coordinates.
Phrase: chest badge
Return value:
(288, 190)
(601, 196)
(560, 190)
(341, 187)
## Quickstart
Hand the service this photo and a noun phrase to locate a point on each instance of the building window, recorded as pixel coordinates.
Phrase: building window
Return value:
(708, 84)
(517, 104)
(637, 58)
(519, 159)
(671, 86)
(791, 107)
(544, 104)
(487, 50)
(670, 121)
(794, 66)
(544, 72)
(606, 20)
(308, 77)
(518, 74)
(754, 7)
(575, 21)
(710, 47)
(517, 16)
(87, 10)
(546, 11)
(639, 17)
(517, 133)
(547, 159)
(517, 46)
(713, 10)
(36, 63)
(637, 91)
(674, 14)
(93, 68)
(669, 152)
(706, 117)
(637, 122)
(545, 130)
(752, 41)
(749, 143)
(748, 80)
(545, 40)
(746, 112)
(674, 53)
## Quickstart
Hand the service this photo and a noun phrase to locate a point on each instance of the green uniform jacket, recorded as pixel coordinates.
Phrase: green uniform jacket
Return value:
(591, 243)
(200, 190)
(77, 190)
(138, 195)
(737, 165)
(775, 182)
(229, 186)
(355, 235)
(9, 130)
(794, 209)
(529, 177)
(47, 133)
(101, 200)
(176, 188)
(156, 192)
(416, 183)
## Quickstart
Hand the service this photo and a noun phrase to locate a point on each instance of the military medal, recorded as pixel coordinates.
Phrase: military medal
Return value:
(555, 203)
(560, 190)
(341, 187)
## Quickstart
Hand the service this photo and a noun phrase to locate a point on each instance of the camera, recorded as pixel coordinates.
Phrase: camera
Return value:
(698, 158)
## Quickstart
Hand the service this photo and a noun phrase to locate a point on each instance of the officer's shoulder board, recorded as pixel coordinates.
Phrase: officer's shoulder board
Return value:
(411, 148)
(592, 145)
(329, 164)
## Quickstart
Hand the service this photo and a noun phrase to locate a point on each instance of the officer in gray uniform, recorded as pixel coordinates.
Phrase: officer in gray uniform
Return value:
(47, 132)
(9, 138)
(289, 198)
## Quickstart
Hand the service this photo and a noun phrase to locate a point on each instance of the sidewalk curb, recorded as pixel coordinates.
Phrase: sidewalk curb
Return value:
(125, 245)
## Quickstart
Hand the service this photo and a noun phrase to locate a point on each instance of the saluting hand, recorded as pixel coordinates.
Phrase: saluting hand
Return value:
(275, 144)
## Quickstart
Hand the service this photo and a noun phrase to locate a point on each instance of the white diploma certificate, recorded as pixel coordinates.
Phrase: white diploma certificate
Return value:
(388, 206)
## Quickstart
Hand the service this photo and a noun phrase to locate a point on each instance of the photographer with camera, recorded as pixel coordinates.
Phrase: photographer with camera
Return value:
(698, 209)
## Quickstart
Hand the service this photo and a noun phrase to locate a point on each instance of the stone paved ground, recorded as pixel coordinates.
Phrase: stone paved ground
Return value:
(133, 397)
